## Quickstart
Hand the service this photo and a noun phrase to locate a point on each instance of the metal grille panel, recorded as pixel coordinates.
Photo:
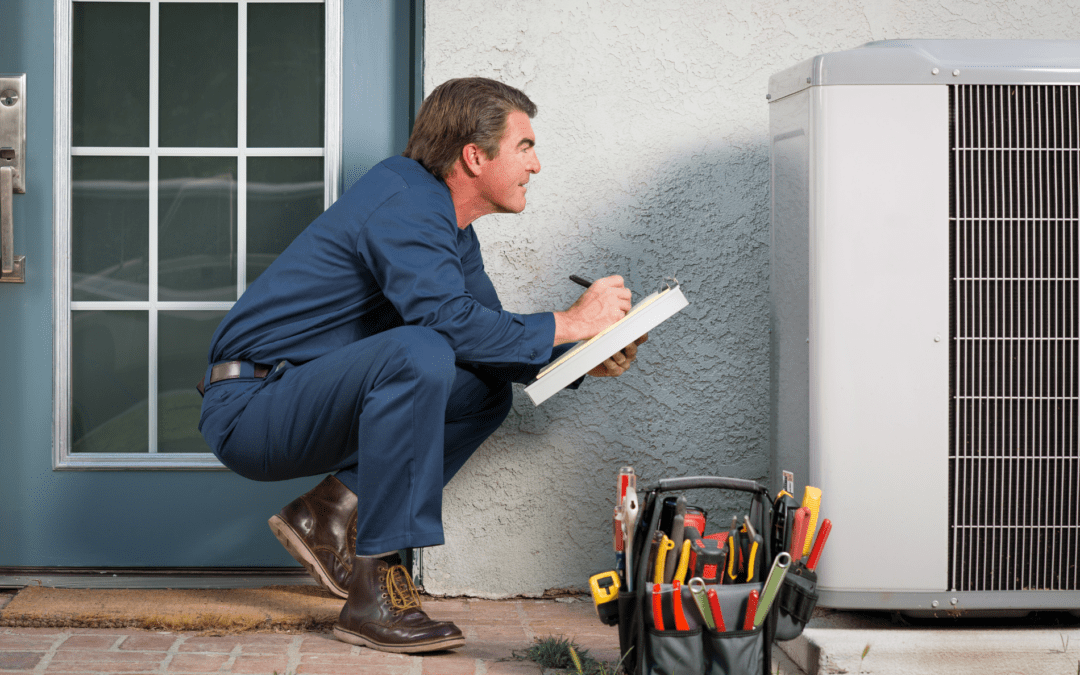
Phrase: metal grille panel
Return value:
(1015, 219)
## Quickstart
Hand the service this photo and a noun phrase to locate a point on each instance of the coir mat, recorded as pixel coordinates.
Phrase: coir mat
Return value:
(214, 610)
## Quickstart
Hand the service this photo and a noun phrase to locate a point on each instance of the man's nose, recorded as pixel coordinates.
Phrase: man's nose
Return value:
(534, 166)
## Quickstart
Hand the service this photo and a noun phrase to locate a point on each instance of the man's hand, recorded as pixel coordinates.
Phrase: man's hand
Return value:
(619, 363)
(601, 305)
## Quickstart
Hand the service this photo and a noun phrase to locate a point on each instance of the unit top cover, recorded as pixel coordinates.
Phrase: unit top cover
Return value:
(936, 62)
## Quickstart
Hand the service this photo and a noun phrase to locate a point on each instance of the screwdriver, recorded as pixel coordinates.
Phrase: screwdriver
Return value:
(823, 534)
(751, 609)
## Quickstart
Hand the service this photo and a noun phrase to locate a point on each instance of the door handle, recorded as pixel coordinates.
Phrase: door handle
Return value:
(12, 171)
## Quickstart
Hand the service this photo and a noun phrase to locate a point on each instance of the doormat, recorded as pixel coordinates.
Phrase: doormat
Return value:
(215, 610)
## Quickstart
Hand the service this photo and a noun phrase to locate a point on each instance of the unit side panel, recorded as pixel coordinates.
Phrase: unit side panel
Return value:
(879, 326)
(789, 286)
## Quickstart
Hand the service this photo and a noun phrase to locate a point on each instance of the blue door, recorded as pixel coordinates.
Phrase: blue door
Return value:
(173, 150)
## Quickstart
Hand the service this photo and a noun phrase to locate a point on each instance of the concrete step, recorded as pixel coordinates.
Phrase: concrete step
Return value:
(1043, 643)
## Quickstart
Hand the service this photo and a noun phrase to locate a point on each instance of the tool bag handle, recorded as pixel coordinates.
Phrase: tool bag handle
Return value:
(719, 482)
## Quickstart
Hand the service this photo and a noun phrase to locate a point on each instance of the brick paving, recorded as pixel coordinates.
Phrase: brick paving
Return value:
(493, 630)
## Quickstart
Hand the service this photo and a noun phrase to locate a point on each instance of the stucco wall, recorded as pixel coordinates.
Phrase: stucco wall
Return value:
(652, 136)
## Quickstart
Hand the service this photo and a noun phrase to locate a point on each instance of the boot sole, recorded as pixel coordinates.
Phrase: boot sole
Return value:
(438, 645)
(303, 555)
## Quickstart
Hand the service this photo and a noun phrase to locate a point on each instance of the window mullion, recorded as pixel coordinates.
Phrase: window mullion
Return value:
(241, 148)
(152, 321)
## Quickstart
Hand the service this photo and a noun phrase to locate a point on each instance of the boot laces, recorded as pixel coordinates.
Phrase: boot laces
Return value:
(400, 588)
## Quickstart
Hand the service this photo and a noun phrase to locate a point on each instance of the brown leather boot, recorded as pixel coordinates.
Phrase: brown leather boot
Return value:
(319, 530)
(383, 612)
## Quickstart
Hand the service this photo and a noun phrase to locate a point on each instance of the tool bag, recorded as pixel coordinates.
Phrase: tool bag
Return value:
(697, 649)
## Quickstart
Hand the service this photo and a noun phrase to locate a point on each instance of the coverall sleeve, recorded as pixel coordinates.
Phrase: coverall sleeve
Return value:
(411, 247)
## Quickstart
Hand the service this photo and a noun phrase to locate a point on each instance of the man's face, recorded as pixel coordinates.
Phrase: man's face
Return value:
(503, 179)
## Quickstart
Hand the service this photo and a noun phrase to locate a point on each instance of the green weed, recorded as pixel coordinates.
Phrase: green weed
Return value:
(561, 653)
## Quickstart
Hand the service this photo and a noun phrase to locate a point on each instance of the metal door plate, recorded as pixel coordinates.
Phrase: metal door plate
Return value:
(18, 275)
(13, 125)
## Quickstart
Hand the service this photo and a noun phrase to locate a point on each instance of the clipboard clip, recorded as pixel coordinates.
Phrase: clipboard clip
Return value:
(668, 283)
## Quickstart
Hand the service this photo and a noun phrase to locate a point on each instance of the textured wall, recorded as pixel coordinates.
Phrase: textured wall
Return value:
(652, 136)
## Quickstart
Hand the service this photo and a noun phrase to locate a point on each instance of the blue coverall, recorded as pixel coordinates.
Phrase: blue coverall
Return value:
(393, 356)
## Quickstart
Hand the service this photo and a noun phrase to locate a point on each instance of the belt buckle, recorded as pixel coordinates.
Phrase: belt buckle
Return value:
(229, 370)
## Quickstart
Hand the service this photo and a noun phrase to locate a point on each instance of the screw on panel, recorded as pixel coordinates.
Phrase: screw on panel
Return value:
(956, 73)
(953, 600)
(935, 71)
(934, 604)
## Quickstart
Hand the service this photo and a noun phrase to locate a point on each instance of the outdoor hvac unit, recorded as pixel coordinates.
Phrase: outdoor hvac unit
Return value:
(925, 292)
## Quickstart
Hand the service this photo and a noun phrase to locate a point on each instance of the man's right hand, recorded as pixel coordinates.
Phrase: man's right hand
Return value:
(601, 305)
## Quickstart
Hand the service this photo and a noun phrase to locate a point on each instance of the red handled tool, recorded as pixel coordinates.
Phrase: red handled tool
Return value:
(657, 607)
(751, 609)
(706, 559)
(798, 532)
(676, 602)
(695, 518)
(617, 526)
(627, 480)
(717, 615)
(823, 534)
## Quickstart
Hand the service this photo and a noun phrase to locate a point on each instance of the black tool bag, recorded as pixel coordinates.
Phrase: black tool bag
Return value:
(796, 601)
(700, 650)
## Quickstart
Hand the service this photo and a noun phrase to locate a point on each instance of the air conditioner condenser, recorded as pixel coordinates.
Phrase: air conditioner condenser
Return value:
(925, 337)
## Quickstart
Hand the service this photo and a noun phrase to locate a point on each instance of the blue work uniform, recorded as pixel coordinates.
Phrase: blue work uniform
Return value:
(392, 356)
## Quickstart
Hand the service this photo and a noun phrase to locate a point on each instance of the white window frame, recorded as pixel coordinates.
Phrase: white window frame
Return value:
(63, 458)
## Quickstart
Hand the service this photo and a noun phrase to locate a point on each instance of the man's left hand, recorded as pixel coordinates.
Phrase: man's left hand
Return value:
(620, 362)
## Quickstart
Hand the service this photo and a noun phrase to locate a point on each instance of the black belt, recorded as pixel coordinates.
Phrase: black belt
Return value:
(229, 370)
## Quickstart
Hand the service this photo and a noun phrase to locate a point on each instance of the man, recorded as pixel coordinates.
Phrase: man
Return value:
(376, 347)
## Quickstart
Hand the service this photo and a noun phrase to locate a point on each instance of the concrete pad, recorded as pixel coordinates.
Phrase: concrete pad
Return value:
(834, 641)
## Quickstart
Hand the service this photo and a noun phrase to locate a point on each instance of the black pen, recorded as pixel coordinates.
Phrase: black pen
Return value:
(581, 281)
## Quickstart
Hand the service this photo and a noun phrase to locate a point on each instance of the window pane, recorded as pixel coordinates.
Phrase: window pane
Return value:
(183, 341)
(110, 205)
(197, 54)
(284, 195)
(285, 77)
(109, 381)
(110, 89)
(197, 228)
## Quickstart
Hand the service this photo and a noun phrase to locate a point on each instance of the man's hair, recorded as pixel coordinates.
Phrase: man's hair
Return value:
(462, 111)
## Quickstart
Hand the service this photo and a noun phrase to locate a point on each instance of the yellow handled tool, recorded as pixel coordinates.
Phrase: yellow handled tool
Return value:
(684, 561)
(755, 545)
(812, 500)
(661, 555)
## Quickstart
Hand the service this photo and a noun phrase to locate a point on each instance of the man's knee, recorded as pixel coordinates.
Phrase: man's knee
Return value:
(427, 352)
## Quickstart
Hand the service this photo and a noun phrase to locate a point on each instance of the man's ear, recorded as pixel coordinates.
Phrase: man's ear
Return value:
(472, 159)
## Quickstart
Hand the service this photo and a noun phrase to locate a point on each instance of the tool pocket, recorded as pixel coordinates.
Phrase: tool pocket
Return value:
(673, 652)
(697, 649)
(797, 599)
(735, 652)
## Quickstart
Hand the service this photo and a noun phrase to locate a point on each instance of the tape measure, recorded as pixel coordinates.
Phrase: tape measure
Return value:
(605, 588)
